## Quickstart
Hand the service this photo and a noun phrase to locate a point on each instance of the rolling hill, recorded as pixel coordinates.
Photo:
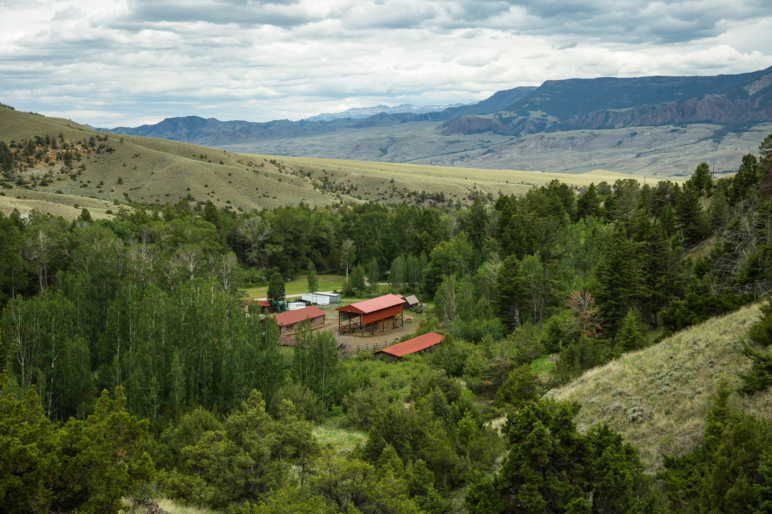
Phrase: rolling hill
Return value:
(657, 397)
(119, 169)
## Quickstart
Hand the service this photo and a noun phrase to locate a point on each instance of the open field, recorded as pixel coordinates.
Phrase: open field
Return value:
(657, 397)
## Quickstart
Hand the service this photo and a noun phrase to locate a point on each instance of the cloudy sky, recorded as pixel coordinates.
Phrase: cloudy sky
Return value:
(128, 62)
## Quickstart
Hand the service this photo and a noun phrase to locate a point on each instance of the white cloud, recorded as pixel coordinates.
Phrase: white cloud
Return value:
(133, 61)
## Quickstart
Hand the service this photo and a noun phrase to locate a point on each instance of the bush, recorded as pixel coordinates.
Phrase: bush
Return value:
(519, 389)
(304, 400)
(761, 332)
(361, 406)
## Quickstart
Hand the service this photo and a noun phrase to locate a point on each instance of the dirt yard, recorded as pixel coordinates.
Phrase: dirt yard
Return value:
(379, 340)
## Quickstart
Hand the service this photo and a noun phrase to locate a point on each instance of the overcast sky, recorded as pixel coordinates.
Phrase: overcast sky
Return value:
(128, 62)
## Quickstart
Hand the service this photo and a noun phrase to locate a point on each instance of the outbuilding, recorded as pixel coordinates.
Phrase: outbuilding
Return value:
(289, 321)
(371, 316)
(334, 297)
(419, 345)
(411, 302)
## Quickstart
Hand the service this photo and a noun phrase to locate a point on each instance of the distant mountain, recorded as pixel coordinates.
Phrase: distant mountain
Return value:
(611, 103)
(213, 132)
(357, 113)
(729, 101)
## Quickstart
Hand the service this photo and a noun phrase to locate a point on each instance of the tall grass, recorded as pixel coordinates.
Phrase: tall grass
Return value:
(657, 397)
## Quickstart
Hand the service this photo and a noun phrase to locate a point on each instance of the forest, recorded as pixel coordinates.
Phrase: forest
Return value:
(132, 369)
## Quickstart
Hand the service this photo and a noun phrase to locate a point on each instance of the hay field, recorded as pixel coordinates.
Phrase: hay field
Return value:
(657, 397)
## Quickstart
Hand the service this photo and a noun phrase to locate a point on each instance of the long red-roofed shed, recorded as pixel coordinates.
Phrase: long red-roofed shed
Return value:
(382, 313)
(288, 321)
(416, 345)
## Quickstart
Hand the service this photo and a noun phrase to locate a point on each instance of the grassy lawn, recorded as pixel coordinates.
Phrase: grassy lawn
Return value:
(299, 285)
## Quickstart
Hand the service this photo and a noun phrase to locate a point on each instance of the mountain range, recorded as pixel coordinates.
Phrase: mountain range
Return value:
(365, 112)
(501, 130)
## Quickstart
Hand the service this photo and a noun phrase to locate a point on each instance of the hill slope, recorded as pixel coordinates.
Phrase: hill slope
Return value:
(657, 398)
(158, 171)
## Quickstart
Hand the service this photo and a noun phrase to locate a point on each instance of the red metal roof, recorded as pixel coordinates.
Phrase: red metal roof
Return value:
(292, 317)
(376, 304)
(413, 345)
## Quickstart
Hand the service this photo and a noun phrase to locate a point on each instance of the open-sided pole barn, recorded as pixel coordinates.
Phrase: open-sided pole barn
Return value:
(371, 316)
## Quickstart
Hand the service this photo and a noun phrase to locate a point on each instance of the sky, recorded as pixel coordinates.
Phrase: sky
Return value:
(131, 62)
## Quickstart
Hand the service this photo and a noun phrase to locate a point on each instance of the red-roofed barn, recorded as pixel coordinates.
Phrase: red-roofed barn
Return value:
(370, 316)
(288, 321)
(420, 344)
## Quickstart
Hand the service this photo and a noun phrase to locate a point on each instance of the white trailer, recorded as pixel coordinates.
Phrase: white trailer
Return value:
(316, 299)
(296, 306)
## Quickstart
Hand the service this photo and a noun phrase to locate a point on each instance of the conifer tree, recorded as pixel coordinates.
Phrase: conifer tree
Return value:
(511, 293)
(588, 204)
(701, 179)
(620, 282)
(630, 337)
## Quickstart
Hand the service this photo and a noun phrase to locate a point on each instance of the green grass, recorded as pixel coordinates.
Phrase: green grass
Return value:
(340, 439)
(299, 285)
(544, 366)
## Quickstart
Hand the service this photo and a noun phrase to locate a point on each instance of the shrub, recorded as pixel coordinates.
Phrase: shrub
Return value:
(304, 400)
(761, 332)
(361, 406)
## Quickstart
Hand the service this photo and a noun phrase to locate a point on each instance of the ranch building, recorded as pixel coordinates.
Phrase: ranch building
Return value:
(420, 345)
(289, 321)
(371, 316)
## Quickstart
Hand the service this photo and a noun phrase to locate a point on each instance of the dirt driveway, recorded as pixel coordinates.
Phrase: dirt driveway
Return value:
(379, 340)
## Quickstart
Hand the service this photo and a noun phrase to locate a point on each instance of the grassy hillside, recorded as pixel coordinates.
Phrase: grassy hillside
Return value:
(373, 179)
(152, 170)
(657, 397)
(148, 170)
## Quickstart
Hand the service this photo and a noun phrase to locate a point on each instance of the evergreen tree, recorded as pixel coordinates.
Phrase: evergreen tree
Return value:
(512, 295)
(701, 179)
(746, 180)
(551, 467)
(692, 222)
(656, 255)
(212, 215)
(276, 288)
(588, 204)
(619, 277)
(313, 280)
(630, 337)
(477, 223)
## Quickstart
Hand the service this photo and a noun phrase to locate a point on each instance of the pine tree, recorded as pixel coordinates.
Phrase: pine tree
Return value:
(656, 252)
(477, 221)
(630, 337)
(357, 279)
(619, 278)
(588, 204)
(746, 180)
(512, 295)
(701, 179)
(692, 222)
